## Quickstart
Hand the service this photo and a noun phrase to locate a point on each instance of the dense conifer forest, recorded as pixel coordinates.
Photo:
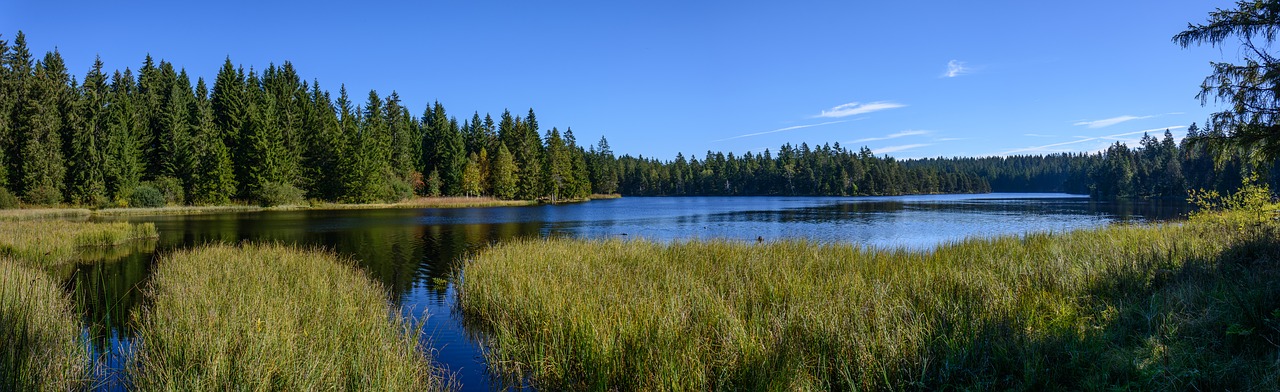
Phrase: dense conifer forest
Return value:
(154, 137)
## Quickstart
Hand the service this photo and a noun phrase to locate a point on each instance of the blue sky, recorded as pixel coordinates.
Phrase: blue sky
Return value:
(908, 79)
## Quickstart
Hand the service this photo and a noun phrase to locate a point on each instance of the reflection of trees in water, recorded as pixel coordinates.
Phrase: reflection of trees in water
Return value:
(865, 211)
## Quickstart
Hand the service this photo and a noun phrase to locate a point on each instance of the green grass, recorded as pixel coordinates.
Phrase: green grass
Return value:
(43, 213)
(51, 242)
(1175, 306)
(175, 210)
(41, 348)
(429, 202)
(269, 317)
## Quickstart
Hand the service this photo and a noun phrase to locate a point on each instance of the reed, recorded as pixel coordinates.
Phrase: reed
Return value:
(269, 317)
(51, 242)
(175, 210)
(43, 213)
(41, 347)
(429, 202)
(1168, 306)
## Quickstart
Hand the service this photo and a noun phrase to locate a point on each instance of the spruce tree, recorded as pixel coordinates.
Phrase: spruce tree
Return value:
(504, 174)
(122, 160)
(212, 180)
(43, 165)
(87, 180)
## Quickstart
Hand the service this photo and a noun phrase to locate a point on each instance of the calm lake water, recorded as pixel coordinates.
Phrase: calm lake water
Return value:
(414, 251)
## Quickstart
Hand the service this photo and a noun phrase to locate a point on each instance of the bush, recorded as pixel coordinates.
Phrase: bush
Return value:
(171, 188)
(44, 195)
(7, 199)
(146, 196)
(275, 194)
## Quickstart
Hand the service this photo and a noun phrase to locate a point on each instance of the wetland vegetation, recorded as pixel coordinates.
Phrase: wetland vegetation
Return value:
(1166, 306)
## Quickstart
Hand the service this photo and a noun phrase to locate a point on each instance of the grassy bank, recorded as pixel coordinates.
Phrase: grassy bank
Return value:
(50, 242)
(430, 202)
(40, 341)
(44, 213)
(268, 317)
(1171, 306)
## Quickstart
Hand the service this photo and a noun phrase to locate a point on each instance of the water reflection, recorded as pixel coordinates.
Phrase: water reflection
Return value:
(414, 252)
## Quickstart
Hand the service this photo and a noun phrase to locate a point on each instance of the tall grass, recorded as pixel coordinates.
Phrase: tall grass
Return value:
(1169, 306)
(7, 215)
(41, 348)
(47, 243)
(269, 317)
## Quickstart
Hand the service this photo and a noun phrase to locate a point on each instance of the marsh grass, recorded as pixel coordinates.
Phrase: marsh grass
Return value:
(269, 317)
(429, 202)
(43, 213)
(50, 242)
(175, 210)
(41, 348)
(1162, 307)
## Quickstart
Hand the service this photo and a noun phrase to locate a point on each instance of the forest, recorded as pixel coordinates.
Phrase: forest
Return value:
(153, 138)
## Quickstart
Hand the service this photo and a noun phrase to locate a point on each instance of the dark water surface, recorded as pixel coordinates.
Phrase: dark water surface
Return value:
(414, 251)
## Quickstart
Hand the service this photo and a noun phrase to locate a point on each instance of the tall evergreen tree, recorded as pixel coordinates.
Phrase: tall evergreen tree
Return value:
(87, 180)
(123, 162)
(504, 174)
(43, 165)
(212, 180)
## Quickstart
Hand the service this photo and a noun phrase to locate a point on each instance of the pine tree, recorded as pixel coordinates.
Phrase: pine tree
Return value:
(212, 179)
(43, 165)
(7, 97)
(504, 174)
(472, 182)
(325, 146)
(557, 166)
(229, 103)
(122, 162)
(603, 168)
(86, 179)
(18, 67)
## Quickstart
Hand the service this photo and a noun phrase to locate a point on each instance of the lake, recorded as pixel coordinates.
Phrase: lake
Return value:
(414, 252)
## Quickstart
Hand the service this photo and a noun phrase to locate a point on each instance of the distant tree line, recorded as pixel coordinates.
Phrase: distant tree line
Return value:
(120, 138)
(154, 138)
(825, 170)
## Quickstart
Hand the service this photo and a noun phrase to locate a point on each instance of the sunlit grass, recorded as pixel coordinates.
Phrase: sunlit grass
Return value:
(41, 348)
(429, 202)
(175, 210)
(50, 242)
(1170, 306)
(43, 213)
(269, 317)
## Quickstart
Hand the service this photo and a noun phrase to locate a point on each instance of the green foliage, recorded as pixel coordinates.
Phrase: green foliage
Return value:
(269, 317)
(43, 345)
(170, 188)
(1247, 91)
(146, 196)
(504, 174)
(1249, 205)
(431, 187)
(277, 194)
(7, 199)
(1178, 306)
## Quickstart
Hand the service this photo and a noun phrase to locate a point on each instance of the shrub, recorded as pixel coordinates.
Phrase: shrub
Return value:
(7, 199)
(44, 195)
(171, 188)
(275, 194)
(146, 196)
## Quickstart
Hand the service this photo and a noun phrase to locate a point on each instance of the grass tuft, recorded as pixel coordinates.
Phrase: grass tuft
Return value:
(1167, 307)
(41, 347)
(48, 243)
(269, 317)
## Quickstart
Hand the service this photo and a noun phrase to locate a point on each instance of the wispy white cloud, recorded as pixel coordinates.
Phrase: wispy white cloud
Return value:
(892, 136)
(1039, 135)
(791, 128)
(956, 68)
(904, 147)
(1106, 122)
(1058, 147)
(855, 108)
(950, 139)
